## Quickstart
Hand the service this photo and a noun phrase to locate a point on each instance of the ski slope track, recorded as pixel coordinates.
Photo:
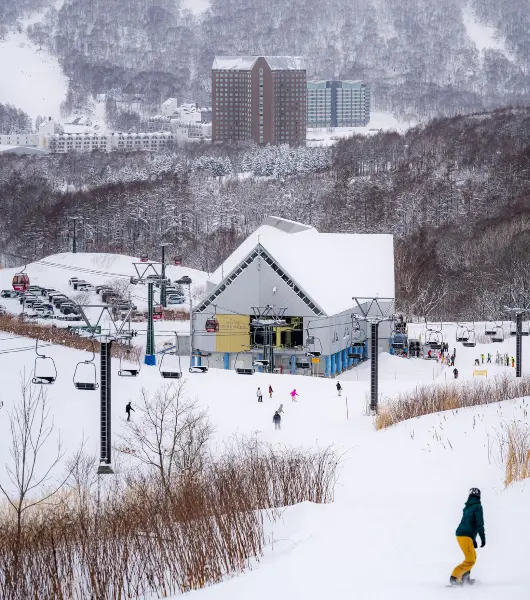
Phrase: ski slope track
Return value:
(390, 533)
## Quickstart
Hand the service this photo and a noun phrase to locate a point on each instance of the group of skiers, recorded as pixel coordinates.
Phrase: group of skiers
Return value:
(502, 360)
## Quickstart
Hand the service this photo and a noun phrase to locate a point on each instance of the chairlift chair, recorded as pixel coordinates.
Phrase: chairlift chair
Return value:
(513, 328)
(498, 335)
(168, 372)
(525, 329)
(471, 341)
(86, 382)
(462, 333)
(434, 339)
(43, 364)
(128, 371)
(490, 328)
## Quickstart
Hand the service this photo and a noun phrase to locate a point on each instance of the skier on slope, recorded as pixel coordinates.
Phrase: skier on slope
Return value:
(472, 523)
(270, 391)
(128, 409)
(277, 420)
(482, 358)
(259, 395)
(513, 362)
(280, 409)
(293, 395)
(455, 373)
(339, 388)
(489, 357)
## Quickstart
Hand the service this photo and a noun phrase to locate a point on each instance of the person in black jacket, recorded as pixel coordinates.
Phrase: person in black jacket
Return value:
(339, 388)
(128, 409)
(471, 525)
(277, 420)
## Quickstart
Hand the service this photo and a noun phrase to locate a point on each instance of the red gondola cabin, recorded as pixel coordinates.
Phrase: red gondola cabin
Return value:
(20, 282)
(144, 258)
(212, 325)
(158, 313)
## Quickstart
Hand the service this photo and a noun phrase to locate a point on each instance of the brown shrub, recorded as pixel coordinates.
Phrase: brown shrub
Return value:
(425, 400)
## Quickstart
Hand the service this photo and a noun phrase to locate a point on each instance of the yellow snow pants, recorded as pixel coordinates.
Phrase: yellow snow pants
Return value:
(470, 556)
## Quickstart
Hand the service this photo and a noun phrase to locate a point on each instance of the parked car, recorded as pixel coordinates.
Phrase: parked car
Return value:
(53, 294)
(58, 300)
(100, 288)
(77, 284)
(172, 300)
(72, 280)
(8, 294)
(69, 309)
(47, 291)
(27, 298)
(43, 312)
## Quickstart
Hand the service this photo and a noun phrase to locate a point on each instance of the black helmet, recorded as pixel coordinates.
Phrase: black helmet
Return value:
(474, 492)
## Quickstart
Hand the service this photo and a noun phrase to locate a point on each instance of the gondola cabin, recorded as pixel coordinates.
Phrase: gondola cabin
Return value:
(144, 258)
(212, 326)
(20, 282)
(158, 313)
(177, 261)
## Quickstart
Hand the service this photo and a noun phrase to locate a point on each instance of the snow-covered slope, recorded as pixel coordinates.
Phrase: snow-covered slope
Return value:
(32, 78)
(390, 532)
(484, 37)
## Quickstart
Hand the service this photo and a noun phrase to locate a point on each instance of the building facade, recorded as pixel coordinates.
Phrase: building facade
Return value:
(260, 98)
(308, 279)
(338, 104)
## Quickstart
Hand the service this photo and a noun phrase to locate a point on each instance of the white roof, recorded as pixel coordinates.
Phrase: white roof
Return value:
(169, 101)
(245, 63)
(331, 268)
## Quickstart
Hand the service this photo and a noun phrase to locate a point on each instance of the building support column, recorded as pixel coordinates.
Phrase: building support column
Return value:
(226, 361)
(328, 366)
(293, 365)
(333, 365)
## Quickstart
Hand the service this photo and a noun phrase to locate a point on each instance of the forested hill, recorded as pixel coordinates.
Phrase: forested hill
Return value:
(424, 58)
(455, 193)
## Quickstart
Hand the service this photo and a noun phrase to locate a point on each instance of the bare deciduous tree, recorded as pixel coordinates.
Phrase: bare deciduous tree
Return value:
(31, 472)
(170, 434)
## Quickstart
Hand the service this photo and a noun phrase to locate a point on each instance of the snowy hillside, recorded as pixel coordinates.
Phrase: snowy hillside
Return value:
(32, 78)
(390, 532)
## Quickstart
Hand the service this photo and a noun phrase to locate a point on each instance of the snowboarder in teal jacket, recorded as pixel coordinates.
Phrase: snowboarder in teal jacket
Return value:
(471, 525)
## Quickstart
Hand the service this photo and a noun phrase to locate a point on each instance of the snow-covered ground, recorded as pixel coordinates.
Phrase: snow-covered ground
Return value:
(484, 37)
(100, 268)
(379, 121)
(197, 7)
(32, 78)
(390, 532)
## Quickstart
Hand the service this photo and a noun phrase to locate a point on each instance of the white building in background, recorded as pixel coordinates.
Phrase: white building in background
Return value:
(169, 107)
(338, 103)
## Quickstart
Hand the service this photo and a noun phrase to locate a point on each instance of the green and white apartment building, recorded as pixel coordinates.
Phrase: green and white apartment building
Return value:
(338, 103)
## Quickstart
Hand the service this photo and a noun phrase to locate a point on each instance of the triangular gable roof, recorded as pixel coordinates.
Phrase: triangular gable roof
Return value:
(331, 268)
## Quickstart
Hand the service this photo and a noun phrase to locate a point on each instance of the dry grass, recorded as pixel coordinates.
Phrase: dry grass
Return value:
(517, 458)
(60, 336)
(425, 400)
(142, 539)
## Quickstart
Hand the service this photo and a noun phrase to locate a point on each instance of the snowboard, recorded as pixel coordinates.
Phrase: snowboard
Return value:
(466, 585)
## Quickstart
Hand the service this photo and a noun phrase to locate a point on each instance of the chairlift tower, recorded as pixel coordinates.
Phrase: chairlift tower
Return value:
(374, 315)
(143, 270)
(269, 318)
(163, 282)
(518, 311)
(105, 457)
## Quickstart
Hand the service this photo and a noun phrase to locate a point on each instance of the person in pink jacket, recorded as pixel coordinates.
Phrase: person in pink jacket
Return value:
(293, 396)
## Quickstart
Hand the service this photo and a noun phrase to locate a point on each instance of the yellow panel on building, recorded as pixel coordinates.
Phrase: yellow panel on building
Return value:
(233, 334)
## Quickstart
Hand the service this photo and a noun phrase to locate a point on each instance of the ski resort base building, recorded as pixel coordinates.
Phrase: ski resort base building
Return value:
(286, 296)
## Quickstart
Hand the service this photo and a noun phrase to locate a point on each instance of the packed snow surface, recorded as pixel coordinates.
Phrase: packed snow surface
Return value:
(390, 533)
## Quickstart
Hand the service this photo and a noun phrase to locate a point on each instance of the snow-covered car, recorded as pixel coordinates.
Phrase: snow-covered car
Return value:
(173, 300)
(72, 280)
(8, 294)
